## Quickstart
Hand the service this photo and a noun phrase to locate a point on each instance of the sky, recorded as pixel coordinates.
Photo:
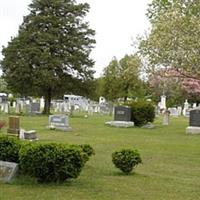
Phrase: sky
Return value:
(117, 24)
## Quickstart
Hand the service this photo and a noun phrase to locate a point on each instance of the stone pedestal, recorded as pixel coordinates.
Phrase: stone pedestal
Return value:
(194, 130)
(120, 124)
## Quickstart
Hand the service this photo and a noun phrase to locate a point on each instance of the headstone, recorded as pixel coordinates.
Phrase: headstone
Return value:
(122, 117)
(194, 117)
(14, 125)
(30, 135)
(60, 122)
(194, 105)
(42, 103)
(173, 112)
(14, 104)
(163, 102)
(185, 108)
(166, 117)
(179, 110)
(122, 113)
(194, 121)
(6, 108)
(8, 171)
(35, 108)
(18, 107)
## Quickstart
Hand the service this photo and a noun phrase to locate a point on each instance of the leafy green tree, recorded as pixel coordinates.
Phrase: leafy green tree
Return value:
(50, 54)
(111, 80)
(129, 70)
(174, 38)
(121, 79)
(3, 86)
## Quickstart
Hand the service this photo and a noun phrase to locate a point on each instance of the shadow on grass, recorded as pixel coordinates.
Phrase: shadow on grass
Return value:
(29, 181)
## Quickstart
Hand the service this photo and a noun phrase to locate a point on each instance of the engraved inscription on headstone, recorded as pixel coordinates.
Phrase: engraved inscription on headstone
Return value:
(7, 170)
(122, 113)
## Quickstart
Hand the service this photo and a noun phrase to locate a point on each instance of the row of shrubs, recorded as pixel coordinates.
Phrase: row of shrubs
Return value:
(48, 162)
(142, 112)
(53, 162)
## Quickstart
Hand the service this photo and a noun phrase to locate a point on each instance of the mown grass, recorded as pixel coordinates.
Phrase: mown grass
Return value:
(170, 169)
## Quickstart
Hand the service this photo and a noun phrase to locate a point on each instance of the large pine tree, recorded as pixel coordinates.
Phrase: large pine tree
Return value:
(51, 50)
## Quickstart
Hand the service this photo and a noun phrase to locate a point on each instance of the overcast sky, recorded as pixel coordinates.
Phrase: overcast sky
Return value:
(116, 22)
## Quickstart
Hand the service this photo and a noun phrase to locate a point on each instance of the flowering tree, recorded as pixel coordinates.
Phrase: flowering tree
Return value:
(175, 86)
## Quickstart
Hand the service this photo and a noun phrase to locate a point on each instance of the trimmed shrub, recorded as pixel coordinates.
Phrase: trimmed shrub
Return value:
(142, 112)
(126, 159)
(51, 162)
(9, 149)
(87, 149)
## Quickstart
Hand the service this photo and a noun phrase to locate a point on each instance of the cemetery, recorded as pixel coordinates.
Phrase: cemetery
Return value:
(130, 131)
(169, 157)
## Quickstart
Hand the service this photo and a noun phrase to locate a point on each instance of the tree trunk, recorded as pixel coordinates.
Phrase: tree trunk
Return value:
(47, 102)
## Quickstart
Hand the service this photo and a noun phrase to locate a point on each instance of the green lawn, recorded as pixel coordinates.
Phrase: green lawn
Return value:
(170, 169)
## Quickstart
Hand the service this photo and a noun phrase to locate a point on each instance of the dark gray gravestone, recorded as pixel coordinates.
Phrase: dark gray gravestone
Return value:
(60, 122)
(8, 170)
(122, 113)
(194, 117)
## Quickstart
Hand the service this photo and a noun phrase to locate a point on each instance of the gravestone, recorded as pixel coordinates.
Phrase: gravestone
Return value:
(179, 110)
(173, 112)
(122, 117)
(6, 108)
(194, 122)
(122, 113)
(35, 108)
(30, 135)
(8, 170)
(163, 102)
(166, 117)
(60, 122)
(185, 108)
(14, 125)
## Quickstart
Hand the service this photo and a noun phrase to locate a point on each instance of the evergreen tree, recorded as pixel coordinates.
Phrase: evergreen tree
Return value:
(50, 54)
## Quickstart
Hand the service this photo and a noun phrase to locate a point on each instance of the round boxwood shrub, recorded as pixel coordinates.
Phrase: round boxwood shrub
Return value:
(88, 150)
(51, 162)
(142, 112)
(126, 159)
(9, 149)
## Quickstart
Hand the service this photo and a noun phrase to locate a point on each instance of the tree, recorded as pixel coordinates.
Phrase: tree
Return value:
(167, 82)
(174, 37)
(129, 70)
(3, 85)
(50, 54)
(111, 80)
(122, 78)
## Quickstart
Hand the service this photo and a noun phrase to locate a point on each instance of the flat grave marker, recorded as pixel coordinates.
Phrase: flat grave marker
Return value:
(8, 171)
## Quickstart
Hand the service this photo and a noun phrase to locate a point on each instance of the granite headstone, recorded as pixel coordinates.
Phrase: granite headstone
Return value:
(194, 121)
(60, 122)
(122, 113)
